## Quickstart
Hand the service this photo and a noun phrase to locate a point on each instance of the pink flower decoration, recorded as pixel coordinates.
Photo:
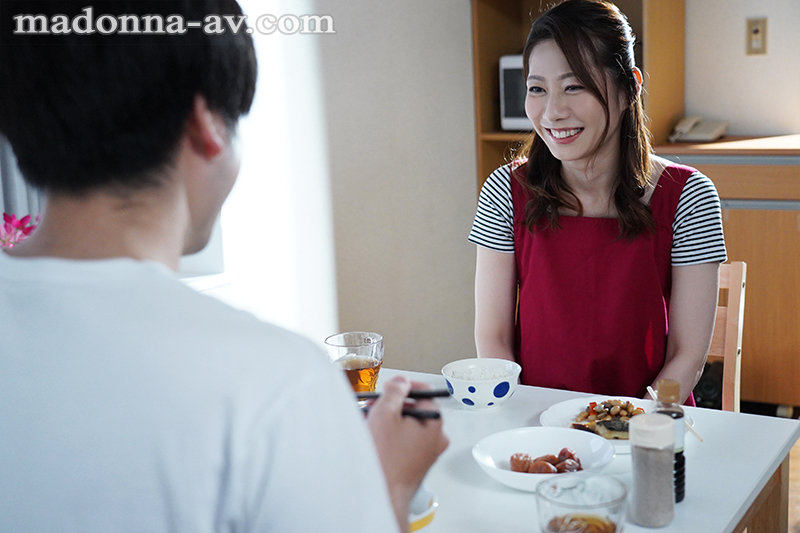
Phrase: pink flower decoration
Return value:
(15, 230)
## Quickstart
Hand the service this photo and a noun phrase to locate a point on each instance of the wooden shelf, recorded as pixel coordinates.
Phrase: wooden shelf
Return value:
(503, 136)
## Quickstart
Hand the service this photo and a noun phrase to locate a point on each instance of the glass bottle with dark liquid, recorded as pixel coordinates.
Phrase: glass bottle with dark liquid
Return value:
(668, 397)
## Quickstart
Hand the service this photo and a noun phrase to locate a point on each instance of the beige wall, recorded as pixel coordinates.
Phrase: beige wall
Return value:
(756, 94)
(398, 99)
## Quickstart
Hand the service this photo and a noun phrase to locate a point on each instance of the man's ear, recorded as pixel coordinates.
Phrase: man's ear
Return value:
(205, 129)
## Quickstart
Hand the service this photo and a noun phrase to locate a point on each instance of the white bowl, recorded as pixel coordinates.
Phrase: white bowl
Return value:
(493, 453)
(422, 509)
(481, 383)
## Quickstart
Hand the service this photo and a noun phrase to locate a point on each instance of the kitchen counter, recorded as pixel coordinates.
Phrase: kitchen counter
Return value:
(786, 145)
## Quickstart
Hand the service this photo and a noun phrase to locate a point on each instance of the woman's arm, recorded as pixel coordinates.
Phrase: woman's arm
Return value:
(495, 303)
(693, 307)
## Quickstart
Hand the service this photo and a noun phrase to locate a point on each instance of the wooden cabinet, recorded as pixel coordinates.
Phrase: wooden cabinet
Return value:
(769, 242)
(499, 27)
(759, 183)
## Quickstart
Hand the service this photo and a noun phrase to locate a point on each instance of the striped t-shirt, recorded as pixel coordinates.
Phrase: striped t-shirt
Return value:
(696, 231)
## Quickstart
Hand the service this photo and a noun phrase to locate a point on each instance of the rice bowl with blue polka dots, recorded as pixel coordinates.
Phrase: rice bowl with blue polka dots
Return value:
(481, 383)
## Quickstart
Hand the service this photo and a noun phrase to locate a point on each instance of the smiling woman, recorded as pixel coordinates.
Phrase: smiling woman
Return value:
(590, 248)
(578, 128)
(595, 84)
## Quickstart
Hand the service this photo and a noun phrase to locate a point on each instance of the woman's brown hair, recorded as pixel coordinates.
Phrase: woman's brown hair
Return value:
(595, 38)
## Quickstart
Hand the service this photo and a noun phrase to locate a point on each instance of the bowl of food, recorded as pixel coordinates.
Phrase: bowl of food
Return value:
(422, 509)
(581, 504)
(481, 383)
(522, 458)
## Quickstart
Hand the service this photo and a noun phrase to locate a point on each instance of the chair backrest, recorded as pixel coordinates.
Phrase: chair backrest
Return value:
(726, 343)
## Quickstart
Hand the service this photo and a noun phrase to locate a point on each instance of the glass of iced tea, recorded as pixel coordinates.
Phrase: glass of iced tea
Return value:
(581, 504)
(360, 354)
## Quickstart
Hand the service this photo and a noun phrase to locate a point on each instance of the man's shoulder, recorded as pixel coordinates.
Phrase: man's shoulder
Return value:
(203, 328)
(217, 323)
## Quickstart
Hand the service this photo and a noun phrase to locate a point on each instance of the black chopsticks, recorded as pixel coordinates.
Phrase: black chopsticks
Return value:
(419, 414)
(413, 395)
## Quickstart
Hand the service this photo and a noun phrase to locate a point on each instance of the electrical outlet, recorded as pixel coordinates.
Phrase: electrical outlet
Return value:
(756, 36)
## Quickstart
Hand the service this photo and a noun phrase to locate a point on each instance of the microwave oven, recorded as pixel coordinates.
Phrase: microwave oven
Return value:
(512, 94)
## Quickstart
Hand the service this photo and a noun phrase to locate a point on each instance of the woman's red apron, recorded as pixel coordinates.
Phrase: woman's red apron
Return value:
(593, 307)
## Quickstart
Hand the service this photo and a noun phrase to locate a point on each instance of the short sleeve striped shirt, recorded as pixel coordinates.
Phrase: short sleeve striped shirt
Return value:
(696, 230)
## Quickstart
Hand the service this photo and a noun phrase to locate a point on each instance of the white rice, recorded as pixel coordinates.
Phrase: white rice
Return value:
(477, 373)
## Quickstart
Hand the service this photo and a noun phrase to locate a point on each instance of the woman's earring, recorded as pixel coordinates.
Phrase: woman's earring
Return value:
(637, 75)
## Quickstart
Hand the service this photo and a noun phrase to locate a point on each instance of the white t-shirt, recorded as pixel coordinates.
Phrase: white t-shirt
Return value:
(129, 402)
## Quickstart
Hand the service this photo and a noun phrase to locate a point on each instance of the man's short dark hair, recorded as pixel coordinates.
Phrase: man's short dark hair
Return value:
(87, 111)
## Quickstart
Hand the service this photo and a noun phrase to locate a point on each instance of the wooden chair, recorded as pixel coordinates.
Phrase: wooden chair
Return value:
(726, 343)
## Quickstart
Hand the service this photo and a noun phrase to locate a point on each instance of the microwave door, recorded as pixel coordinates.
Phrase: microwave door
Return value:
(512, 95)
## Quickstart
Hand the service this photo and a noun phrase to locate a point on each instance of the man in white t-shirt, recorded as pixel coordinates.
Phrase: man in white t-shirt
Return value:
(129, 402)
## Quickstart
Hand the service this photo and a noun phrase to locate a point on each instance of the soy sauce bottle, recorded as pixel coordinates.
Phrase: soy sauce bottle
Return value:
(668, 398)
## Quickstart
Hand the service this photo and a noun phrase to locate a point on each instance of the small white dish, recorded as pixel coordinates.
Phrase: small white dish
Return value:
(422, 509)
(493, 453)
(563, 414)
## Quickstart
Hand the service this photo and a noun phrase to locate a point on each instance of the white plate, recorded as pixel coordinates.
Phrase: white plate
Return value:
(563, 414)
(493, 453)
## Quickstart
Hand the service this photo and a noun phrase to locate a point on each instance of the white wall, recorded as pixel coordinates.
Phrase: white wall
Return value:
(398, 89)
(277, 234)
(756, 94)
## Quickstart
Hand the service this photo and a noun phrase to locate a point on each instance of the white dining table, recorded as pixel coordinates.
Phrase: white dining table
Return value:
(736, 477)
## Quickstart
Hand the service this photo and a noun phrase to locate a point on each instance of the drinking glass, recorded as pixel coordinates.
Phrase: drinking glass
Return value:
(360, 354)
(581, 504)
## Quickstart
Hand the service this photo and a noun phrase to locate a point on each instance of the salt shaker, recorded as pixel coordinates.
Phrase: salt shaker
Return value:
(652, 441)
